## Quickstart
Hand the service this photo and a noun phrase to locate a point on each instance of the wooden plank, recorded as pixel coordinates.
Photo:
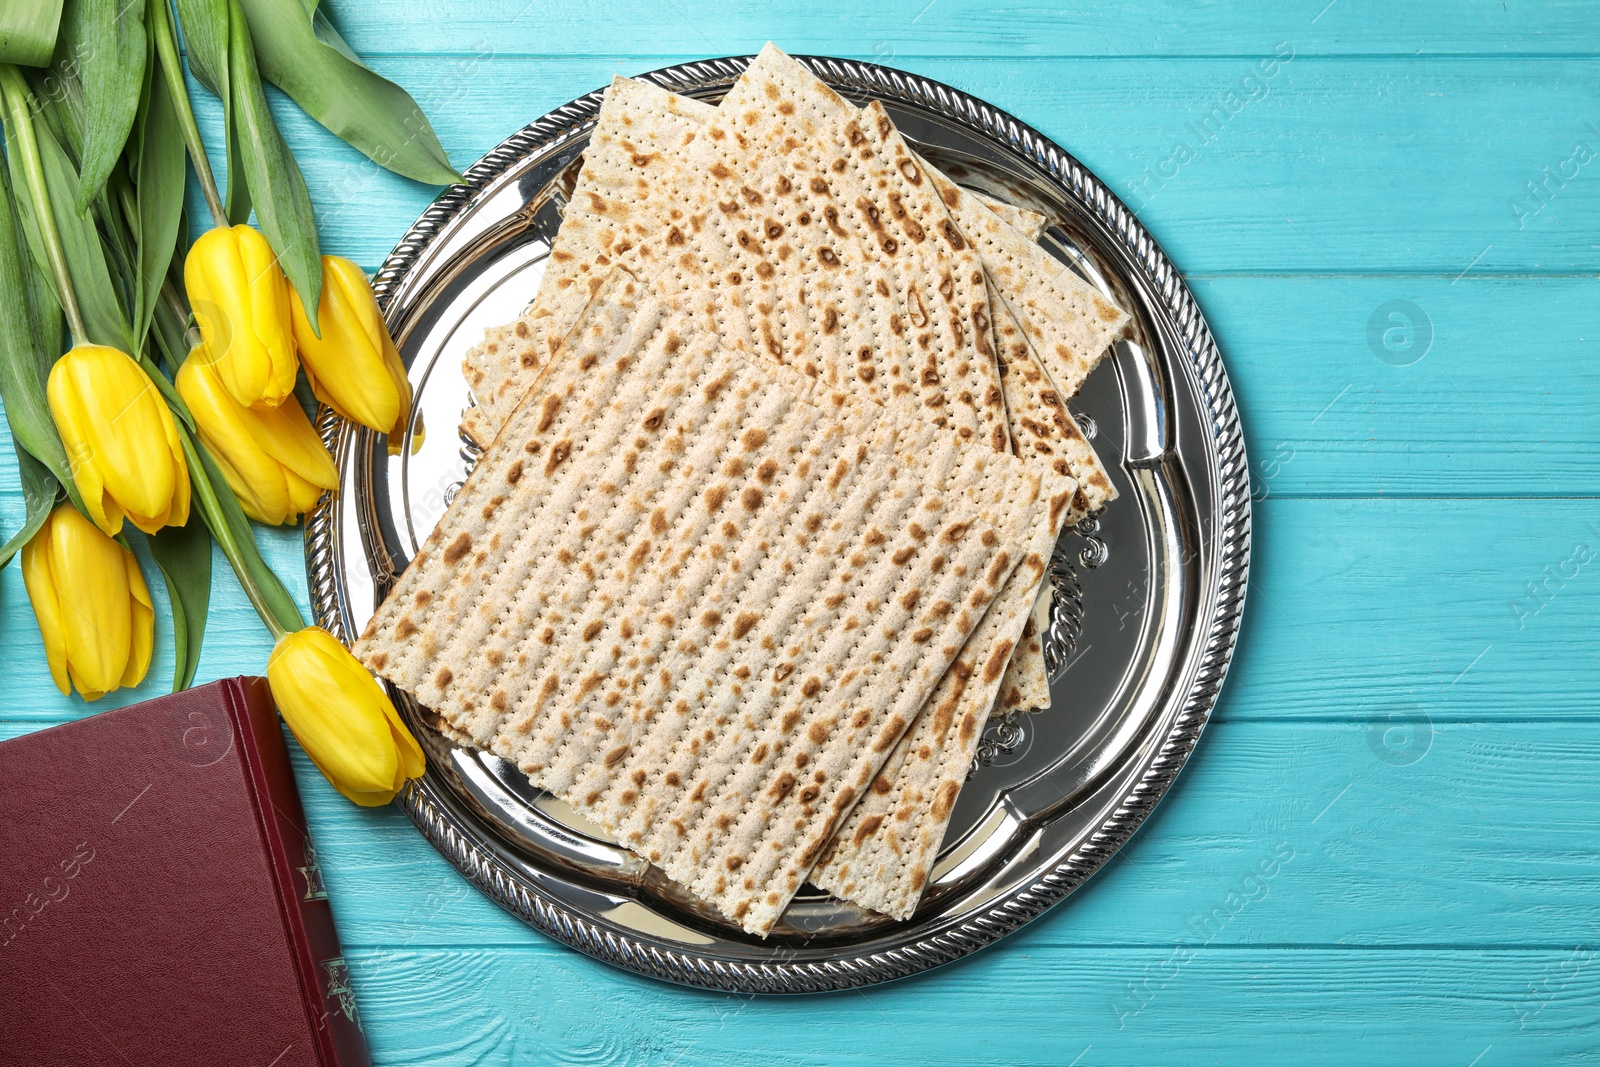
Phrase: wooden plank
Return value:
(1087, 28)
(1306, 834)
(1007, 1008)
(1322, 834)
(1368, 385)
(1480, 412)
(1358, 607)
(1332, 166)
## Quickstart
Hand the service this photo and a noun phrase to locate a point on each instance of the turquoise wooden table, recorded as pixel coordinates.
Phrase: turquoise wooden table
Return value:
(1384, 849)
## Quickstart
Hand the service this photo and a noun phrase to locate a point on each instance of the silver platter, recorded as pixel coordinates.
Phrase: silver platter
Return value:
(1147, 594)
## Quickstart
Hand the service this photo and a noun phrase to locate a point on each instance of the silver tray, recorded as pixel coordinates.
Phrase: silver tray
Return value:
(1147, 599)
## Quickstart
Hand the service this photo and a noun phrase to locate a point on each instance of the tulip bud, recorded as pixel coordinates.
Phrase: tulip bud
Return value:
(342, 717)
(93, 607)
(121, 440)
(241, 303)
(273, 459)
(353, 367)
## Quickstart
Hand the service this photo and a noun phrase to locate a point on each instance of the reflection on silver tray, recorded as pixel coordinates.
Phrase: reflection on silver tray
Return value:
(1147, 594)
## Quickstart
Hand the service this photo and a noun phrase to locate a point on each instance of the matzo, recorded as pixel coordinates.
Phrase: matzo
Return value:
(694, 605)
(883, 854)
(619, 200)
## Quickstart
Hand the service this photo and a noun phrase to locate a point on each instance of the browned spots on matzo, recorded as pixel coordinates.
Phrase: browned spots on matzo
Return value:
(746, 622)
(751, 498)
(955, 532)
(405, 627)
(443, 677)
(997, 661)
(592, 631)
(459, 547)
(1058, 507)
(715, 496)
(616, 755)
(889, 734)
(558, 456)
(868, 827)
(998, 569)
(548, 410)
(819, 730)
(945, 799)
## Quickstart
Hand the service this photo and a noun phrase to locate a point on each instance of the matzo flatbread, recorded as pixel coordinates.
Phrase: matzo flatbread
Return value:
(696, 606)
(1026, 222)
(883, 854)
(618, 201)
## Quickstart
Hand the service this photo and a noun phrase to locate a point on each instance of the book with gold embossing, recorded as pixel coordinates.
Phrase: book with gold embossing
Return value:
(160, 901)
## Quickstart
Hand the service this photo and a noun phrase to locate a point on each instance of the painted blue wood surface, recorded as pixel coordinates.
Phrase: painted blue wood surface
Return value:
(1408, 742)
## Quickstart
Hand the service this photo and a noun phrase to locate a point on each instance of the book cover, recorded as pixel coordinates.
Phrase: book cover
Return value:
(160, 900)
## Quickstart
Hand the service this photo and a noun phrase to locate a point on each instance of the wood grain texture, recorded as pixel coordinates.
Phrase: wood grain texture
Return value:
(1007, 1008)
(1089, 29)
(1358, 607)
(1382, 850)
(1335, 165)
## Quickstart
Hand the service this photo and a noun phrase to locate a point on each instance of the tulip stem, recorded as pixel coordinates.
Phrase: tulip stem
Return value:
(172, 67)
(211, 511)
(19, 116)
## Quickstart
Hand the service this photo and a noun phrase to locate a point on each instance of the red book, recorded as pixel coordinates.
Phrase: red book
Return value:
(160, 901)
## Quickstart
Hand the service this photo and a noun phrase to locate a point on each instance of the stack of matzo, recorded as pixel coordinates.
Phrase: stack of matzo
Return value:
(772, 469)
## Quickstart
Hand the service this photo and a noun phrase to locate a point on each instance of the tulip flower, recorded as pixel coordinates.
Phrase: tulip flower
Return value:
(342, 717)
(93, 607)
(353, 367)
(273, 460)
(121, 441)
(241, 303)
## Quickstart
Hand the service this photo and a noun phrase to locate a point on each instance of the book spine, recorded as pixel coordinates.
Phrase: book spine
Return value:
(302, 897)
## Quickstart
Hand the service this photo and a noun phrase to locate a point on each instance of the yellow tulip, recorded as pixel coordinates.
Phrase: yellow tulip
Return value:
(273, 459)
(241, 303)
(120, 437)
(93, 608)
(342, 717)
(353, 367)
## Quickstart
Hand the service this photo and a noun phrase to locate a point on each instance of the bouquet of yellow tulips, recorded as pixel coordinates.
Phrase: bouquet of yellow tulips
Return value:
(173, 407)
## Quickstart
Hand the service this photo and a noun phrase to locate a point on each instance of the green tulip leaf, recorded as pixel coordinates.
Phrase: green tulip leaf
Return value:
(231, 528)
(206, 32)
(30, 337)
(28, 30)
(184, 555)
(283, 205)
(301, 53)
(205, 36)
(106, 41)
(80, 241)
(159, 195)
(39, 492)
